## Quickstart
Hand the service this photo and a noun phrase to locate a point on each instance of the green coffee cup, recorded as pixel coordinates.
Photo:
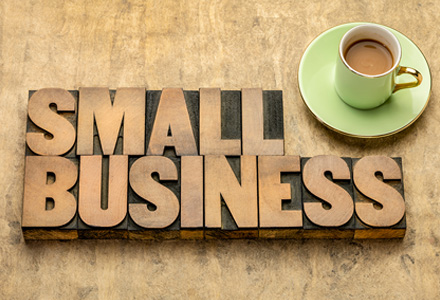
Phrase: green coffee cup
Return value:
(367, 66)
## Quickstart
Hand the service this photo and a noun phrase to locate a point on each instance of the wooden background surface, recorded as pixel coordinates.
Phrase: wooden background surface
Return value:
(231, 45)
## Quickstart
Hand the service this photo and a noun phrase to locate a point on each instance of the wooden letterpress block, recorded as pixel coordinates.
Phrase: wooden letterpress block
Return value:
(102, 113)
(102, 204)
(327, 197)
(231, 197)
(220, 130)
(153, 198)
(172, 121)
(379, 197)
(50, 198)
(253, 127)
(191, 209)
(280, 205)
(51, 126)
(231, 116)
(273, 115)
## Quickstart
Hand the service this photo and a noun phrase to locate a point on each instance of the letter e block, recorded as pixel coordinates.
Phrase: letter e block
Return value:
(280, 202)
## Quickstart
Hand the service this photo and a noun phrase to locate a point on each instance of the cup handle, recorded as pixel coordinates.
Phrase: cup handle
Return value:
(410, 71)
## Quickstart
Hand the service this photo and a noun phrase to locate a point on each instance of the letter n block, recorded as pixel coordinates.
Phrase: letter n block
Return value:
(231, 197)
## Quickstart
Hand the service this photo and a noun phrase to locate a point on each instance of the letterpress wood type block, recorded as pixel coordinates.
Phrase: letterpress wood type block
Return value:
(280, 204)
(253, 119)
(220, 122)
(231, 115)
(153, 198)
(102, 203)
(104, 112)
(231, 197)
(172, 121)
(191, 209)
(50, 198)
(51, 125)
(327, 197)
(273, 115)
(379, 197)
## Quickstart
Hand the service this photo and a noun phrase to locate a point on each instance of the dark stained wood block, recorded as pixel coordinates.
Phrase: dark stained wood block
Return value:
(280, 204)
(102, 204)
(231, 115)
(332, 189)
(231, 197)
(48, 103)
(273, 115)
(50, 198)
(387, 174)
(154, 198)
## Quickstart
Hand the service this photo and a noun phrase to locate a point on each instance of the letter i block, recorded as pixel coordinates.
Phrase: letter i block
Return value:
(153, 198)
(280, 205)
(327, 197)
(231, 197)
(51, 126)
(102, 203)
(191, 208)
(50, 198)
(379, 197)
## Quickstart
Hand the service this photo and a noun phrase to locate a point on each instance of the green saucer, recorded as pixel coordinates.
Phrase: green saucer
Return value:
(315, 81)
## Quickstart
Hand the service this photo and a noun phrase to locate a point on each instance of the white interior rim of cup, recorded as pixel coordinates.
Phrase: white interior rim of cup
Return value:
(390, 37)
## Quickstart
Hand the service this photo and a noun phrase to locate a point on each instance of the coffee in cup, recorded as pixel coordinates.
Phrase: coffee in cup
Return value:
(369, 57)
(367, 66)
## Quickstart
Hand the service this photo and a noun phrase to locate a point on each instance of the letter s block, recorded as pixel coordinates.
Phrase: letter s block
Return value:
(379, 197)
(327, 197)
